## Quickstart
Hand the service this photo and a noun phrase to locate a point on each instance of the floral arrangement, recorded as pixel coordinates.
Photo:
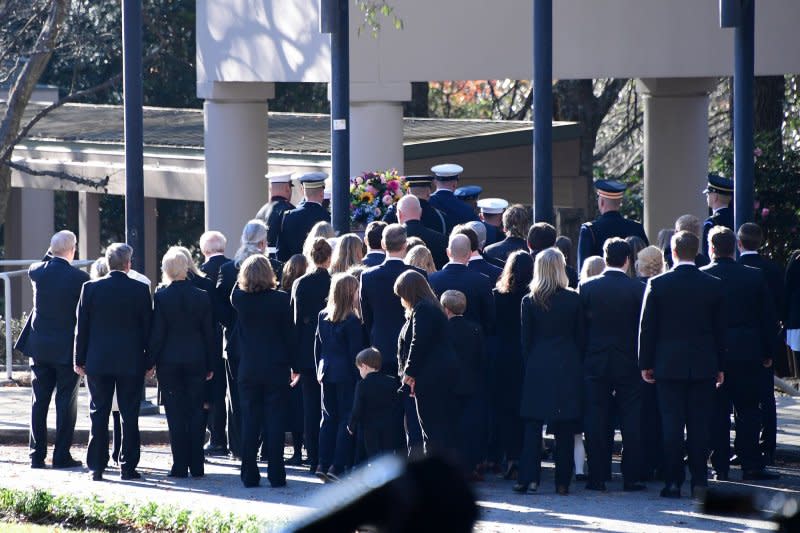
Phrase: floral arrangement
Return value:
(372, 193)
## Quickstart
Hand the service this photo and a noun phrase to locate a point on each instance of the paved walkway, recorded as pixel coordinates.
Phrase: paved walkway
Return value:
(501, 509)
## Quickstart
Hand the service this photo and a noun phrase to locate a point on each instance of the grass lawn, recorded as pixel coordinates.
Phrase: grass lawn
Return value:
(21, 527)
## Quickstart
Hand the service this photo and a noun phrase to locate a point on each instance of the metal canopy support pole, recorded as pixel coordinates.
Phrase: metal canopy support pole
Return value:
(340, 116)
(543, 111)
(134, 140)
(743, 74)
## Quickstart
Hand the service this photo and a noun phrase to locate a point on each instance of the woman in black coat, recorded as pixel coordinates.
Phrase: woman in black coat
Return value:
(340, 336)
(309, 293)
(426, 360)
(181, 343)
(506, 364)
(266, 347)
(552, 348)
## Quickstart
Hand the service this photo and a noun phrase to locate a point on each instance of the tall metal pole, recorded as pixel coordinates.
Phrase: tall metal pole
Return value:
(133, 97)
(340, 118)
(743, 74)
(134, 141)
(543, 111)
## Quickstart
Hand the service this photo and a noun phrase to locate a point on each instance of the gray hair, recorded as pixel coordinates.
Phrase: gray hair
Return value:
(174, 265)
(63, 242)
(480, 231)
(254, 233)
(213, 242)
(191, 266)
(99, 268)
(118, 256)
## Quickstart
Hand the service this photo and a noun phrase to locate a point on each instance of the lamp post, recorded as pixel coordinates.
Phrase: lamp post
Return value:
(543, 111)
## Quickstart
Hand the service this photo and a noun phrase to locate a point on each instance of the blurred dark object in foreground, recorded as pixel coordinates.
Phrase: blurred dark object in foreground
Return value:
(779, 507)
(395, 496)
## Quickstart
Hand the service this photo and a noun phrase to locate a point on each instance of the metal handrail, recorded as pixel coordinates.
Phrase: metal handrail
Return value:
(6, 277)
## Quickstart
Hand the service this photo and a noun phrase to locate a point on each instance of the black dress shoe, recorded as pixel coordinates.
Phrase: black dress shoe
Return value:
(633, 487)
(670, 491)
(759, 475)
(699, 492)
(69, 463)
(215, 451)
(562, 490)
(581, 477)
(37, 464)
(601, 487)
(178, 475)
(277, 484)
(130, 474)
(197, 474)
(320, 473)
(97, 476)
(295, 460)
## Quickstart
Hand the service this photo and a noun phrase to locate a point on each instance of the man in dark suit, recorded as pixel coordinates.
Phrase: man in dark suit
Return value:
(612, 303)
(542, 236)
(372, 238)
(476, 233)
(750, 334)
(719, 194)
(492, 217)
(750, 239)
(476, 287)
(515, 224)
(609, 224)
(111, 350)
(49, 343)
(432, 218)
(212, 246)
(280, 192)
(384, 317)
(682, 351)
(408, 213)
(299, 221)
(691, 224)
(446, 181)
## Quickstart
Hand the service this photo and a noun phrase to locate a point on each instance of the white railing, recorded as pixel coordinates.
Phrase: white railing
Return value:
(6, 277)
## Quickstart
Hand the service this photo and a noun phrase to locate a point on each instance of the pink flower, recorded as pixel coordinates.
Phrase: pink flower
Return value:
(359, 180)
(387, 199)
(757, 152)
(372, 190)
(757, 204)
(377, 212)
(764, 213)
(392, 185)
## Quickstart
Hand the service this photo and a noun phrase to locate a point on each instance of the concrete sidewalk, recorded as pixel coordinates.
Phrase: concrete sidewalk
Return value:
(15, 413)
(15, 409)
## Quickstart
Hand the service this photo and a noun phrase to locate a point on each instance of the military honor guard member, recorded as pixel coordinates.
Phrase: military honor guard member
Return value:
(51, 332)
(446, 180)
(469, 195)
(750, 330)
(280, 192)
(610, 223)
(491, 214)
(476, 233)
(682, 350)
(299, 221)
(432, 218)
(719, 194)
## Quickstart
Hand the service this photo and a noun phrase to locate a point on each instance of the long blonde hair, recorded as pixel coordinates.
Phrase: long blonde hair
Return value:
(349, 252)
(421, 257)
(549, 275)
(343, 298)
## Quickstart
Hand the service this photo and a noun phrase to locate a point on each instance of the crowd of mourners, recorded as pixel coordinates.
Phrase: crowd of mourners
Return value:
(451, 328)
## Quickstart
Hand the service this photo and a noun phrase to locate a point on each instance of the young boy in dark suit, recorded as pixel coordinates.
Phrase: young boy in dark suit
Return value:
(467, 340)
(374, 405)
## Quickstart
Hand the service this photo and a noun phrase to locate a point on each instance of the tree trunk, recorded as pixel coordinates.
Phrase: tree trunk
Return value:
(22, 89)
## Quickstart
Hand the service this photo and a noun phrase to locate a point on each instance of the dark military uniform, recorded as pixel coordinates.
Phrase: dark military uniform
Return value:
(720, 217)
(455, 211)
(272, 215)
(295, 227)
(431, 217)
(610, 224)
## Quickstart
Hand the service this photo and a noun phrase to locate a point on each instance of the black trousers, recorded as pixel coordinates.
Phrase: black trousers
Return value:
(598, 425)
(379, 439)
(652, 434)
(471, 435)
(740, 391)
(46, 379)
(437, 419)
(129, 398)
(232, 403)
(769, 416)
(182, 390)
(312, 414)
(217, 409)
(263, 407)
(335, 442)
(530, 464)
(686, 404)
(506, 426)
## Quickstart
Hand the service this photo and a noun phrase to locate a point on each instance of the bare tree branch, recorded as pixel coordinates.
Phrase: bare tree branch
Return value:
(97, 184)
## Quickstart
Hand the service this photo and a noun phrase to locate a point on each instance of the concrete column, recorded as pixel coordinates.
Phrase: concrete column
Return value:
(675, 149)
(88, 225)
(28, 229)
(151, 260)
(376, 126)
(235, 156)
